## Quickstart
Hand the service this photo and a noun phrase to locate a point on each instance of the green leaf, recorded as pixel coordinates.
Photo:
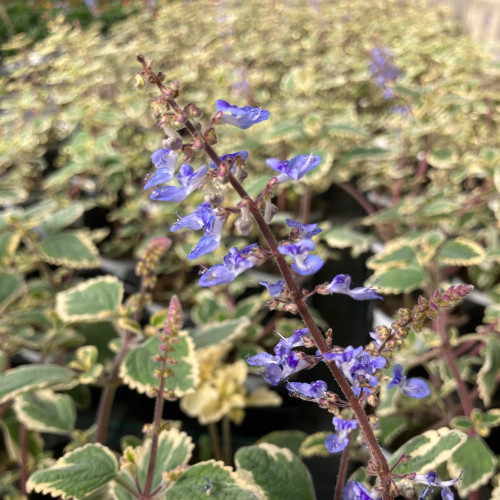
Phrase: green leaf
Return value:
(477, 462)
(11, 287)
(174, 449)
(138, 367)
(390, 427)
(46, 411)
(363, 154)
(71, 249)
(462, 423)
(9, 241)
(223, 483)
(399, 279)
(347, 238)
(486, 377)
(314, 445)
(461, 252)
(92, 300)
(26, 378)
(428, 451)
(394, 255)
(345, 130)
(225, 331)
(276, 471)
(285, 439)
(62, 218)
(77, 473)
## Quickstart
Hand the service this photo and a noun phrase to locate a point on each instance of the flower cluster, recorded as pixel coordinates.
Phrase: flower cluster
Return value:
(383, 70)
(285, 361)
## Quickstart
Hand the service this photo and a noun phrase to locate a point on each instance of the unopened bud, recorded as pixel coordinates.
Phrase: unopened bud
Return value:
(139, 81)
(291, 308)
(243, 226)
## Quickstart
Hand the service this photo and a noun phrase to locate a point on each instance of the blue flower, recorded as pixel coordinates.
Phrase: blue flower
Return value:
(383, 70)
(413, 387)
(165, 161)
(356, 491)
(188, 180)
(243, 117)
(340, 439)
(285, 362)
(432, 479)
(358, 367)
(210, 241)
(200, 218)
(242, 154)
(303, 231)
(273, 289)
(341, 284)
(235, 263)
(314, 390)
(295, 168)
(303, 263)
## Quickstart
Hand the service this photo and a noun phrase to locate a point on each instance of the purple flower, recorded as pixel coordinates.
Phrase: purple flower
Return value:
(383, 70)
(340, 439)
(242, 154)
(188, 180)
(165, 161)
(295, 168)
(235, 263)
(341, 284)
(285, 362)
(210, 241)
(303, 231)
(314, 390)
(303, 263)
(273, 289)
(358, 367)
(200, 218)
(413, 387)
(356, 491)
(243, 117)
(432, 479)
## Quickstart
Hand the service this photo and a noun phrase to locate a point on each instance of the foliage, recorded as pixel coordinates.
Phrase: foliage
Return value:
(416, 146)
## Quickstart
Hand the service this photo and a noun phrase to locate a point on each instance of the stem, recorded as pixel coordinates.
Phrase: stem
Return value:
(156, 430)
(439, 325)
(226, 440)
(214, 439)
(344, 462)
(24, 460)
(109, 391)
(379, 464)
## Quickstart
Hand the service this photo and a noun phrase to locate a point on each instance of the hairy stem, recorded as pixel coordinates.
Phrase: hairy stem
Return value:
(341, 477)
(214, 440)
(24, 459)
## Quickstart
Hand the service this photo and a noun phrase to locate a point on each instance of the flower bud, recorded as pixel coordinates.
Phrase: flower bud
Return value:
(139, 81)
(243, 226)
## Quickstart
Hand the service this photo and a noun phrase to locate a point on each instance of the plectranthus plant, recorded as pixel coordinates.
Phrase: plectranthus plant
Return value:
(360, 372)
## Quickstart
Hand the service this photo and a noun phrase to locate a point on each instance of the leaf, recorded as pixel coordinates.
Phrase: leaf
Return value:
(215, 333)
(428, 451)
(390, 427)
(477, 462)
(46, 411)
(276, 471)
(11, 287)
(285, 439)
(71, 249)
(345, 130)
(486, 377)
(347, 238)
(461, 252)
(393, 255)
(223, 483)
(174, 449)
(138, 367)
(26, 378)
(9, 241)
(314, 445)
(93, 300)
(362, 154)
(77, 473)
(399, 279)
(62, 218)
